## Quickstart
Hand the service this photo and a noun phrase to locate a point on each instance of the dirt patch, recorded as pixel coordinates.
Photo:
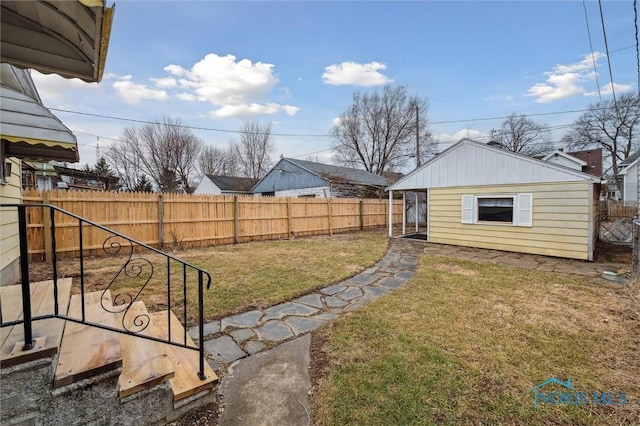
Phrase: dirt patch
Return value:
(612, 253)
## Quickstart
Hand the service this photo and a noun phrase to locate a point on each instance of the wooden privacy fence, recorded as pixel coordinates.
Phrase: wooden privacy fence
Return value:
(611, 210)
(182, 220)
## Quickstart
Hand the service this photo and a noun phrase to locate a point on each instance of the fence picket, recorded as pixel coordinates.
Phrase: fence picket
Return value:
(183, 220)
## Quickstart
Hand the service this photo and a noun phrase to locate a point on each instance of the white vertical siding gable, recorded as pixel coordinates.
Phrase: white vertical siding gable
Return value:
(470, 163)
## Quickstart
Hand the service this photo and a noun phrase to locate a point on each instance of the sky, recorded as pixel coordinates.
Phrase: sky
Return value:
(215, 65)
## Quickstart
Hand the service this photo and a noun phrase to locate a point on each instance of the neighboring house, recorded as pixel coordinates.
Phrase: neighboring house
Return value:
(298, 178)
(224, 185)
(588, 161)
(487, 197)
(628, 178)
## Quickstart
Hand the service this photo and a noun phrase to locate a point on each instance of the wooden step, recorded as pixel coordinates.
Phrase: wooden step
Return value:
(145, 363)
(185, 361)
(47, 333)
(87, 351)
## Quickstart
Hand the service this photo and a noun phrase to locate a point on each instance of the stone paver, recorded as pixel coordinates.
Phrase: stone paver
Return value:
(224, 349)
(350, 295)
(313, 299)
(364, 279)
(303, 325)
(275, 331)
(334, 302)
(391, 283)
(253, 347)
(208, 329)
(241, 334)
(287, 309)
(248, 319)
(333, 289)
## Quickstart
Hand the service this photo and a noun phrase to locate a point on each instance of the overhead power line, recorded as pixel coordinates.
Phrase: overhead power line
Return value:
(606, 46)
(211, 129)
(593, 59)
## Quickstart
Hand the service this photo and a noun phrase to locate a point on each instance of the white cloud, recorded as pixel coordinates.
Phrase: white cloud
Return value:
(236, 87)
(52, 86)
(570, 80)
(448, 139)
(133, 93)
(352, 73)
(223, 81)
(336, 121)
(253, 109)
(165, 83)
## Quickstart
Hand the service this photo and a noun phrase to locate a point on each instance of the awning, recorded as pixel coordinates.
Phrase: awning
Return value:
(69, 38)
(30, 131)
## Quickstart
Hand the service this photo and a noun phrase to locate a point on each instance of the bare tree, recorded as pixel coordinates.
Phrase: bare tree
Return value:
(217, 161)
(253, 152)
(378, 131)
(124, 163)
(610, 125)
(164, 151)
(523, 135)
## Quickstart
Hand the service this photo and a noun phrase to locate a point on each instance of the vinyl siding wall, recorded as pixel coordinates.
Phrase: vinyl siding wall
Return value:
(561, 215)
(10, 193)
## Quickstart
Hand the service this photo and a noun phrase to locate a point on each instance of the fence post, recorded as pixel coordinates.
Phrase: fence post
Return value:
(46, 224)
(236, 224)
(289, 219)
(329, 215)
(160, 220)
(362, 215)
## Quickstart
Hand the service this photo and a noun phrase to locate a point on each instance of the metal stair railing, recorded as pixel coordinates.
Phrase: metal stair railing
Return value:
(137, 266)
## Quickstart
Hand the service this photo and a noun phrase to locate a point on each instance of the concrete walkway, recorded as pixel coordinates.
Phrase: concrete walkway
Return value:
(272, 387)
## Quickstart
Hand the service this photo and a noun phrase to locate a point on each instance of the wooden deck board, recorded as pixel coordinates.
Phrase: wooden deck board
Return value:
(145, 363)
(87, 351)
(185, 361)
(47, 333)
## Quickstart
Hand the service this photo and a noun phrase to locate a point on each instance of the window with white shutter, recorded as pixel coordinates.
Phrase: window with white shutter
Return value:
(467, 209)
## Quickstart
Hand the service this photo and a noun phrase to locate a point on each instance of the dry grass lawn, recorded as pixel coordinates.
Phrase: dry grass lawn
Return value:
(244, 276)
(464, 343)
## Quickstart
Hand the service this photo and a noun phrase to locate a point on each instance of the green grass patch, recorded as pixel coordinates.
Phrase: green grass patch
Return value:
(244, 276)
(464, 343)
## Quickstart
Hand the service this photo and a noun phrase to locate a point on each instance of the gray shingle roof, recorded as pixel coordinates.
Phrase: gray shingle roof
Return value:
(631, 158)
(342, 174)
(232, 183)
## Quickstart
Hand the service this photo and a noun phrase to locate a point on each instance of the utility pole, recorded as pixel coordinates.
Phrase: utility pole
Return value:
(417, 135)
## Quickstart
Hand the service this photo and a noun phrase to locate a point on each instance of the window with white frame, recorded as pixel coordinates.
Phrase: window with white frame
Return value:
(516, 209)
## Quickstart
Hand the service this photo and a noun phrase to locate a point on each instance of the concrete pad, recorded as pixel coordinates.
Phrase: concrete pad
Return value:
(274, 331)
(224, 349)
(270, 388)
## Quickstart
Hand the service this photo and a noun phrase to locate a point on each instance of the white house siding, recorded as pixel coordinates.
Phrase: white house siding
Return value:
(206, 186)
(630, 191)
(473, 163)
(318, 192)
(10, 193)
(561, 220)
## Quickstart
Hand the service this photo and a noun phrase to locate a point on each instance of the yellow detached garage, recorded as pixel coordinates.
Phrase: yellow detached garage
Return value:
(484, 196)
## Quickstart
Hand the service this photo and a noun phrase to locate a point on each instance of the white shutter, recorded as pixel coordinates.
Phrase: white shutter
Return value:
(524, 212)
(467, 209)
